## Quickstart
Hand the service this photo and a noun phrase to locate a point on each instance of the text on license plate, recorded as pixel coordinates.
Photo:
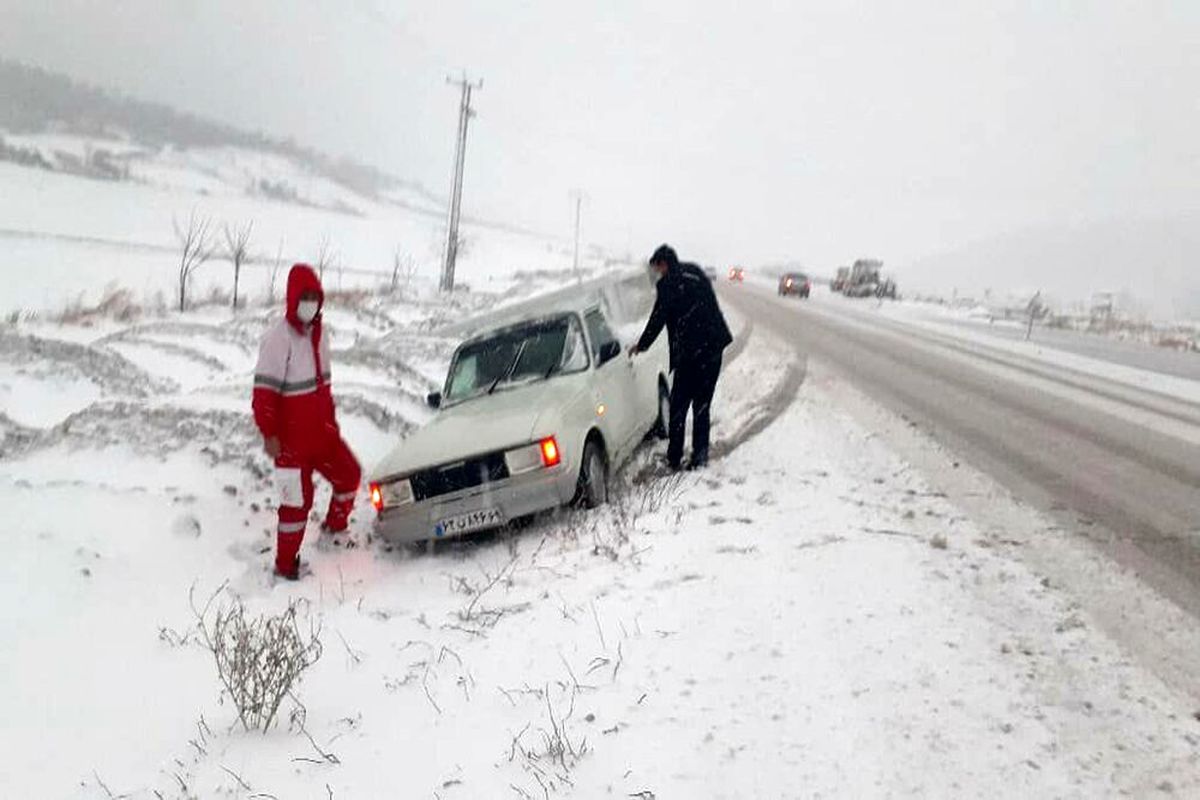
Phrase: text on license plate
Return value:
(473, 521)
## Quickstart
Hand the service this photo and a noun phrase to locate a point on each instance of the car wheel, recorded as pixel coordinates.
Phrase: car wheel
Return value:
(421, 547)
(660, 429)
(592, 491)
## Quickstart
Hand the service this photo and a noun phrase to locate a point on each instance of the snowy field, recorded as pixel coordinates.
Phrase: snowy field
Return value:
(806, 617)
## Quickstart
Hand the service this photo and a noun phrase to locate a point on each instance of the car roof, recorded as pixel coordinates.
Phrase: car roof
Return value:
(517, 323)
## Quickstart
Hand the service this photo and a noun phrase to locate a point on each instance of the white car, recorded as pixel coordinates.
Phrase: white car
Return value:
(533, 415)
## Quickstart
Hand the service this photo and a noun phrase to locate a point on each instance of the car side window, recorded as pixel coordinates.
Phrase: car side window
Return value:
(574, 357)
(599, 333)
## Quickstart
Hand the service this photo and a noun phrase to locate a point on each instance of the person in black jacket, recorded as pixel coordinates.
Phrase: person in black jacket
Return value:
(687, 306)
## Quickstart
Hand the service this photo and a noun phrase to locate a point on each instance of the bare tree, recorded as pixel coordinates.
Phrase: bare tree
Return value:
(403, 266)
(196, 247)
(325, 257)
(275, 267)
(237, 240)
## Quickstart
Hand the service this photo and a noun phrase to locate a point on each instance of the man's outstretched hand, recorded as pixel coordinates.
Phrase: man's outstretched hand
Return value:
(272, 446)
(634, 350)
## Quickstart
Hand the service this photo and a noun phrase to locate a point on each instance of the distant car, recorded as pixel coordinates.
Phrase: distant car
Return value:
(533, 415)
(737, 274)
(796, 283)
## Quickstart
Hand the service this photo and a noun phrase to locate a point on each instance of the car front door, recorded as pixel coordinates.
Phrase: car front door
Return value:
(616, 381)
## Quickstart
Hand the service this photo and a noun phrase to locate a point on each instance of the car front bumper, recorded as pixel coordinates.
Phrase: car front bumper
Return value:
(514, 497)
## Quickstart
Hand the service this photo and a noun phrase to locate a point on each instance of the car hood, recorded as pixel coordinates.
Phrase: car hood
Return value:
(485, 424)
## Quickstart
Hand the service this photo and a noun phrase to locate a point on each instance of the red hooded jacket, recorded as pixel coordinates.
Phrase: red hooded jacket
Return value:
(292, 398)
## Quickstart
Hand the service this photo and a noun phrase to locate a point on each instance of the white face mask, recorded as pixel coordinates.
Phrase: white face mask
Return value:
(306, 310)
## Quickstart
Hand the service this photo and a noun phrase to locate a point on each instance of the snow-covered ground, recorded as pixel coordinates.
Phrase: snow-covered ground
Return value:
(806, 617)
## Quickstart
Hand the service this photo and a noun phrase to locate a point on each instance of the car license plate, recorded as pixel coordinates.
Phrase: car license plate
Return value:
(472, 521)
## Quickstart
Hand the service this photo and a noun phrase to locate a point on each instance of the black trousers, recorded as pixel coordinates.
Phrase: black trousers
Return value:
(692, 387)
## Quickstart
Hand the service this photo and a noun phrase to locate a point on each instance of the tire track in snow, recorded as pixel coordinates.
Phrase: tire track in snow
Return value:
(111, 371)
(767, 409)
(773, 404)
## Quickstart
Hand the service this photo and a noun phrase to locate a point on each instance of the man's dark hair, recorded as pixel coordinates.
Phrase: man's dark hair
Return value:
(664, 255)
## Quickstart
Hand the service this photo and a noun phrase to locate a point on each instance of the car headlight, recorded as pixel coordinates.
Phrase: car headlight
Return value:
(391, 493)
(543, 453)
(520, 460)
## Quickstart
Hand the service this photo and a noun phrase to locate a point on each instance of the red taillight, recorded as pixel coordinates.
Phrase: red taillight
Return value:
(550, 455)
(376, 497)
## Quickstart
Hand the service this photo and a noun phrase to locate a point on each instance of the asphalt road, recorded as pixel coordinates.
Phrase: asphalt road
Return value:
(1116, 464)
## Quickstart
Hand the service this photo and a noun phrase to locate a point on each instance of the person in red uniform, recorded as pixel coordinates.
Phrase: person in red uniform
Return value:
(293, 409)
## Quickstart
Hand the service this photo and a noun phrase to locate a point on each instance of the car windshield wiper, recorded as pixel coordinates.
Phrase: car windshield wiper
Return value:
(511, 367)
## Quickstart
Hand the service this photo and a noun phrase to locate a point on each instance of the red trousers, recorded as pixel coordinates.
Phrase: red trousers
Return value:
(294, 477)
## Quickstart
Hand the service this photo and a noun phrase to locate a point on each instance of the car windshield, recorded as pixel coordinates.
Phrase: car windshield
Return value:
(534, 351)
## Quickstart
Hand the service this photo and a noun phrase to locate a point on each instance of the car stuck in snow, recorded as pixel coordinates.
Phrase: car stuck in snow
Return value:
(534, 414)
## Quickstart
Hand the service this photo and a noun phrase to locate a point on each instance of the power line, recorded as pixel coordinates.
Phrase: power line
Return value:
(460, 151)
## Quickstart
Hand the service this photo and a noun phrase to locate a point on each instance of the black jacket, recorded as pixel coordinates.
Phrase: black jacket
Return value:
(687, 306)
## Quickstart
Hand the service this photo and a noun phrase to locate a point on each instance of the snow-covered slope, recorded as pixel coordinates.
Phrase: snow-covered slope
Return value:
(65, 237)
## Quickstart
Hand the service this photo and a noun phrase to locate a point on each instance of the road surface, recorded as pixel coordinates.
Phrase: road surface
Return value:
(1111, 462)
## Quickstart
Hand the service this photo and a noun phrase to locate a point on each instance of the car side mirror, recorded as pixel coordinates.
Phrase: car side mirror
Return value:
(609, 350)
(434, 399)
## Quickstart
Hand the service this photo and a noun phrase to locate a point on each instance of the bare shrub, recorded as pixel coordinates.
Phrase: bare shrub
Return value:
(115, 303)
(555, 754)
(629, 502)
(216, 296)
(476, 618)
(259, 660)
(349, 299)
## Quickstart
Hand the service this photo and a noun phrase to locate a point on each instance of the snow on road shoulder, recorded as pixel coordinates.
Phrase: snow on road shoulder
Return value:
(806, 613)
(919, 317)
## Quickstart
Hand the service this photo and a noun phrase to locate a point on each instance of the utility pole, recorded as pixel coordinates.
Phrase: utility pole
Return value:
(460, 151)
(578, 195)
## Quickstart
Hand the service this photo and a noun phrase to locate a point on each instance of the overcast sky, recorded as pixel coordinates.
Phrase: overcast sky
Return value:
(741, 131)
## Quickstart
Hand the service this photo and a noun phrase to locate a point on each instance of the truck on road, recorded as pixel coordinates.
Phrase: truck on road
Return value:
(864, 278)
